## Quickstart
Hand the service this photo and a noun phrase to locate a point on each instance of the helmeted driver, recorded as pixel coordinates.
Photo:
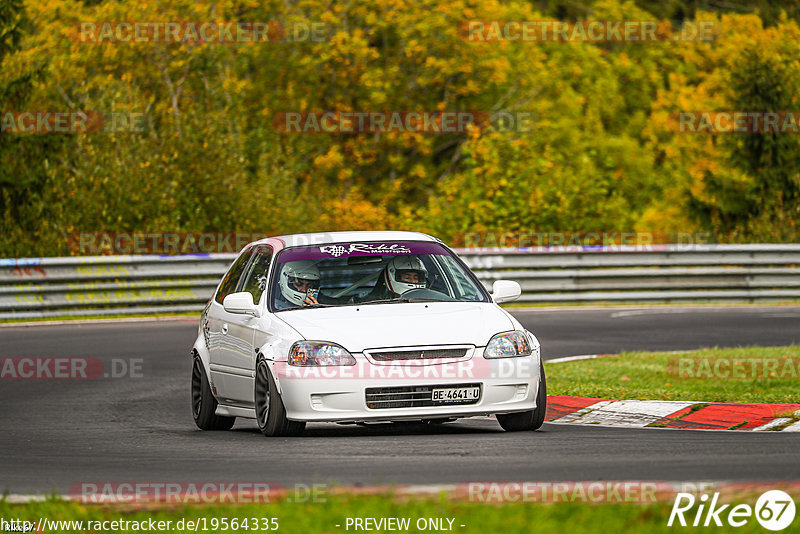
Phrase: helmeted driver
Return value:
(401, 274)
(296, 279)
(404, 273)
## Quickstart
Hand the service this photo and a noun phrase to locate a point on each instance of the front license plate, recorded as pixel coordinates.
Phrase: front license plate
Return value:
(446, 395)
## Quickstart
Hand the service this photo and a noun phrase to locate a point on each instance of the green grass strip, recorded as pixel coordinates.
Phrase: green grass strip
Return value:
(656, 376)
(575, 518)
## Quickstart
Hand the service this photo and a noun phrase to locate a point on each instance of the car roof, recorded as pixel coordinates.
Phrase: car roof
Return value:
(323, 238)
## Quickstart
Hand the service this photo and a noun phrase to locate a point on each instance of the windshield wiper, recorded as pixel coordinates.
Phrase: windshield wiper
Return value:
(384, 301)
(404, 300)
(307, 307)
(318, 305)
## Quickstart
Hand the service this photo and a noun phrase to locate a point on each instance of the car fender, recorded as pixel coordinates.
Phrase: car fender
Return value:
(271, 352)
(514, 321)
(201, 351)
(275, 350)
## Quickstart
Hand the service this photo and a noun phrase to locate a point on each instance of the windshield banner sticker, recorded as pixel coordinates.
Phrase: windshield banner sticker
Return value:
(338, 250)
(367, 248)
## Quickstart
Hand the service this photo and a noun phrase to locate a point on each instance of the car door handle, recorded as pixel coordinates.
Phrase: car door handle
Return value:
(224, 329)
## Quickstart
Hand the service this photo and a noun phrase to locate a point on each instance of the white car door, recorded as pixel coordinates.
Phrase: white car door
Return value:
(217, 327)
(237, 354)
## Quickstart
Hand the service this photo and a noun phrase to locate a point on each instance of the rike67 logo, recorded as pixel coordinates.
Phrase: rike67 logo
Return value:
(774, 510)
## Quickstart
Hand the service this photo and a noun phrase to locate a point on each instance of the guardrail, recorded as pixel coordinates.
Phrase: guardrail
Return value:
(108, 285)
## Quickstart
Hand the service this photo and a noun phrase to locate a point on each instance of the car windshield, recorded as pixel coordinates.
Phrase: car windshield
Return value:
(347, 274)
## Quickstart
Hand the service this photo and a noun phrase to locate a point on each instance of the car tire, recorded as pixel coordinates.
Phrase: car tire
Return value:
(204, 405)
(530, 420)
(270, 411)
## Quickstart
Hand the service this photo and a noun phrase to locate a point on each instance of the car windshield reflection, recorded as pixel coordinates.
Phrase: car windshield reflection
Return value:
(350, 274)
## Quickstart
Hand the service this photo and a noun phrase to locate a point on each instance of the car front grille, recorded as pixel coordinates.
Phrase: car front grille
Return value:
(409, 396)
(419, 354)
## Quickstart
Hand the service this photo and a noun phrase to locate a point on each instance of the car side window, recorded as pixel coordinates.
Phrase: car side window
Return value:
(465, 289)
(233, 275)
(255, 281)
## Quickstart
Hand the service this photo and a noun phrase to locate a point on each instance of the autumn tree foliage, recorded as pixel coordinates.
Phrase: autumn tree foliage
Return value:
(600, 154)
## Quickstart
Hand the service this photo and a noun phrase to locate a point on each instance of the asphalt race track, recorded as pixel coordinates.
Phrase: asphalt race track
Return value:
(56, 433)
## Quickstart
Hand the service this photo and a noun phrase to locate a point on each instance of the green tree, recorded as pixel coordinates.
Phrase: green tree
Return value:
(26, 161)
(753, 194)
(761, 81)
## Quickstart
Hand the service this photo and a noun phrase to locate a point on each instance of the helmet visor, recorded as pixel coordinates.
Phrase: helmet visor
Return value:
(410, 276)
(303, 284)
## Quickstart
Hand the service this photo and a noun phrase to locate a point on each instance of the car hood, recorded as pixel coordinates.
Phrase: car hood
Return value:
(400, 325)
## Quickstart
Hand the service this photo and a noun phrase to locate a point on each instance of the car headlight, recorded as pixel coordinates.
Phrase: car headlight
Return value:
(508, 345)
(318, 354)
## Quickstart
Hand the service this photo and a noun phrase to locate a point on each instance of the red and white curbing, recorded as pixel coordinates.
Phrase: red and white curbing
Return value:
(624, 413)
(673, 414)
(669, 414)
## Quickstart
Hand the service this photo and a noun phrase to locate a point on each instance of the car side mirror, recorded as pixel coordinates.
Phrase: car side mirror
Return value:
(505, 291)
(241, 302)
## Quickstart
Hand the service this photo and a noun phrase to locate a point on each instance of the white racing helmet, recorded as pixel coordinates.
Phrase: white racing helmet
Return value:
(296, 273)
(398, 271)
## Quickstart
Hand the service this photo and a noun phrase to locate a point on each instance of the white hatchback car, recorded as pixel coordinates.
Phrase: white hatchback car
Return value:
(359, 327)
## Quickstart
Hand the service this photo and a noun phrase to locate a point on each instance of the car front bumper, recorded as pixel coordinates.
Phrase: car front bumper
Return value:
(338, 394)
